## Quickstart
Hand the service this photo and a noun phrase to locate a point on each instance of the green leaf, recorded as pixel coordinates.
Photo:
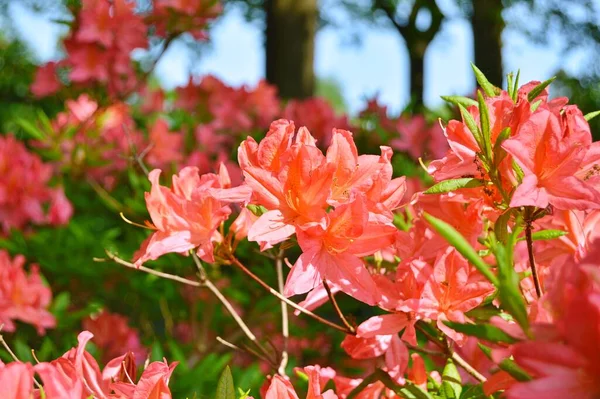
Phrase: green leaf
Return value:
(453, 185)
(408, 390)
(225, 388)
(470, 122)
(178, 354)
(460, 100)
(507, 365)
(462, 246)
(545, 235)
(45, 121)
(499, 153)
(489, 89)
(591, 115)
(451, 383)
(60, 303)
(537, 90)
(535, 105)
(484, 121)
(509, 293)
(473, 392)
(501, 226)
(257, 210)
(243, 394)
(518, 171)
(31, 129)
(156, 353)
(411, 391)
(510, 80)
(483, 331)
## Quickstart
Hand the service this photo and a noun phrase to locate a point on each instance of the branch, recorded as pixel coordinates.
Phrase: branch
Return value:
(390, 12)
(293, 304)
(12, 354)
(285, 328)
(234, 314)
(337, 308)
(534, 272)
(130, 265)
(443, 345)
(467, 367)
(204, 283)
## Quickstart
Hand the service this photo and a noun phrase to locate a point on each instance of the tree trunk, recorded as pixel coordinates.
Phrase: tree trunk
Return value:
(417, 79)
(488, 24)
(290, 45)
(416, 41)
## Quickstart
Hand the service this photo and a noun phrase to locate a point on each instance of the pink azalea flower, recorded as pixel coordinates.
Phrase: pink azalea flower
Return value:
(23, 297)
(166, 147)
(280, 388)
(16, 380)
(551, 148)
(390, 346)
(452, 289)
(76, 375)
(45, 82)
(333, 253)
(24, 191)
(419, 139)
(188, 215)
(318, 116)
(114, 336)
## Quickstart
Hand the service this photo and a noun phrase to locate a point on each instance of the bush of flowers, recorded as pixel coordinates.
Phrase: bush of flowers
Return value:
(216, 241)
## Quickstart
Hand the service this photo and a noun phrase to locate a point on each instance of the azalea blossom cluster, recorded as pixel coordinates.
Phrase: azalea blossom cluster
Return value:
(98, 48)
(509, 162)
(414, 134)
(228, 109)
(488, 277)
(339, 205)
(560, 352)
(173, 17)
(318, 115)
(26, 196)
(104, 33)
(88, 140)
(77, 375)
(23, 296)
(187, 216)
(114, 335)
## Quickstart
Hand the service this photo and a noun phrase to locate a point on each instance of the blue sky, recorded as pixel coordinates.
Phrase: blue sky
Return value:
(378, 65)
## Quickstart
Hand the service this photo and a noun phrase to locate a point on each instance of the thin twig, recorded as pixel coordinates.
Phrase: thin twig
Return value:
(130, 265)
(12, 354)
(337, 308)
(293, 304)
(285, 327)
(424, 351)
(34, 356)
(204, 283)
(534, 273)
(431, 338)
(229, 344)
(234, 314)
(5, 345)
(447, 351)
(467, 367)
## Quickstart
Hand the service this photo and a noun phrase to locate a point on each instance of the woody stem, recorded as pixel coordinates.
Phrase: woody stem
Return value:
(203, 283)
(337, 308)
(12, 354)
(449, 352)
(285, 327)
(234, 314)
(534, 273)
(282, 298)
